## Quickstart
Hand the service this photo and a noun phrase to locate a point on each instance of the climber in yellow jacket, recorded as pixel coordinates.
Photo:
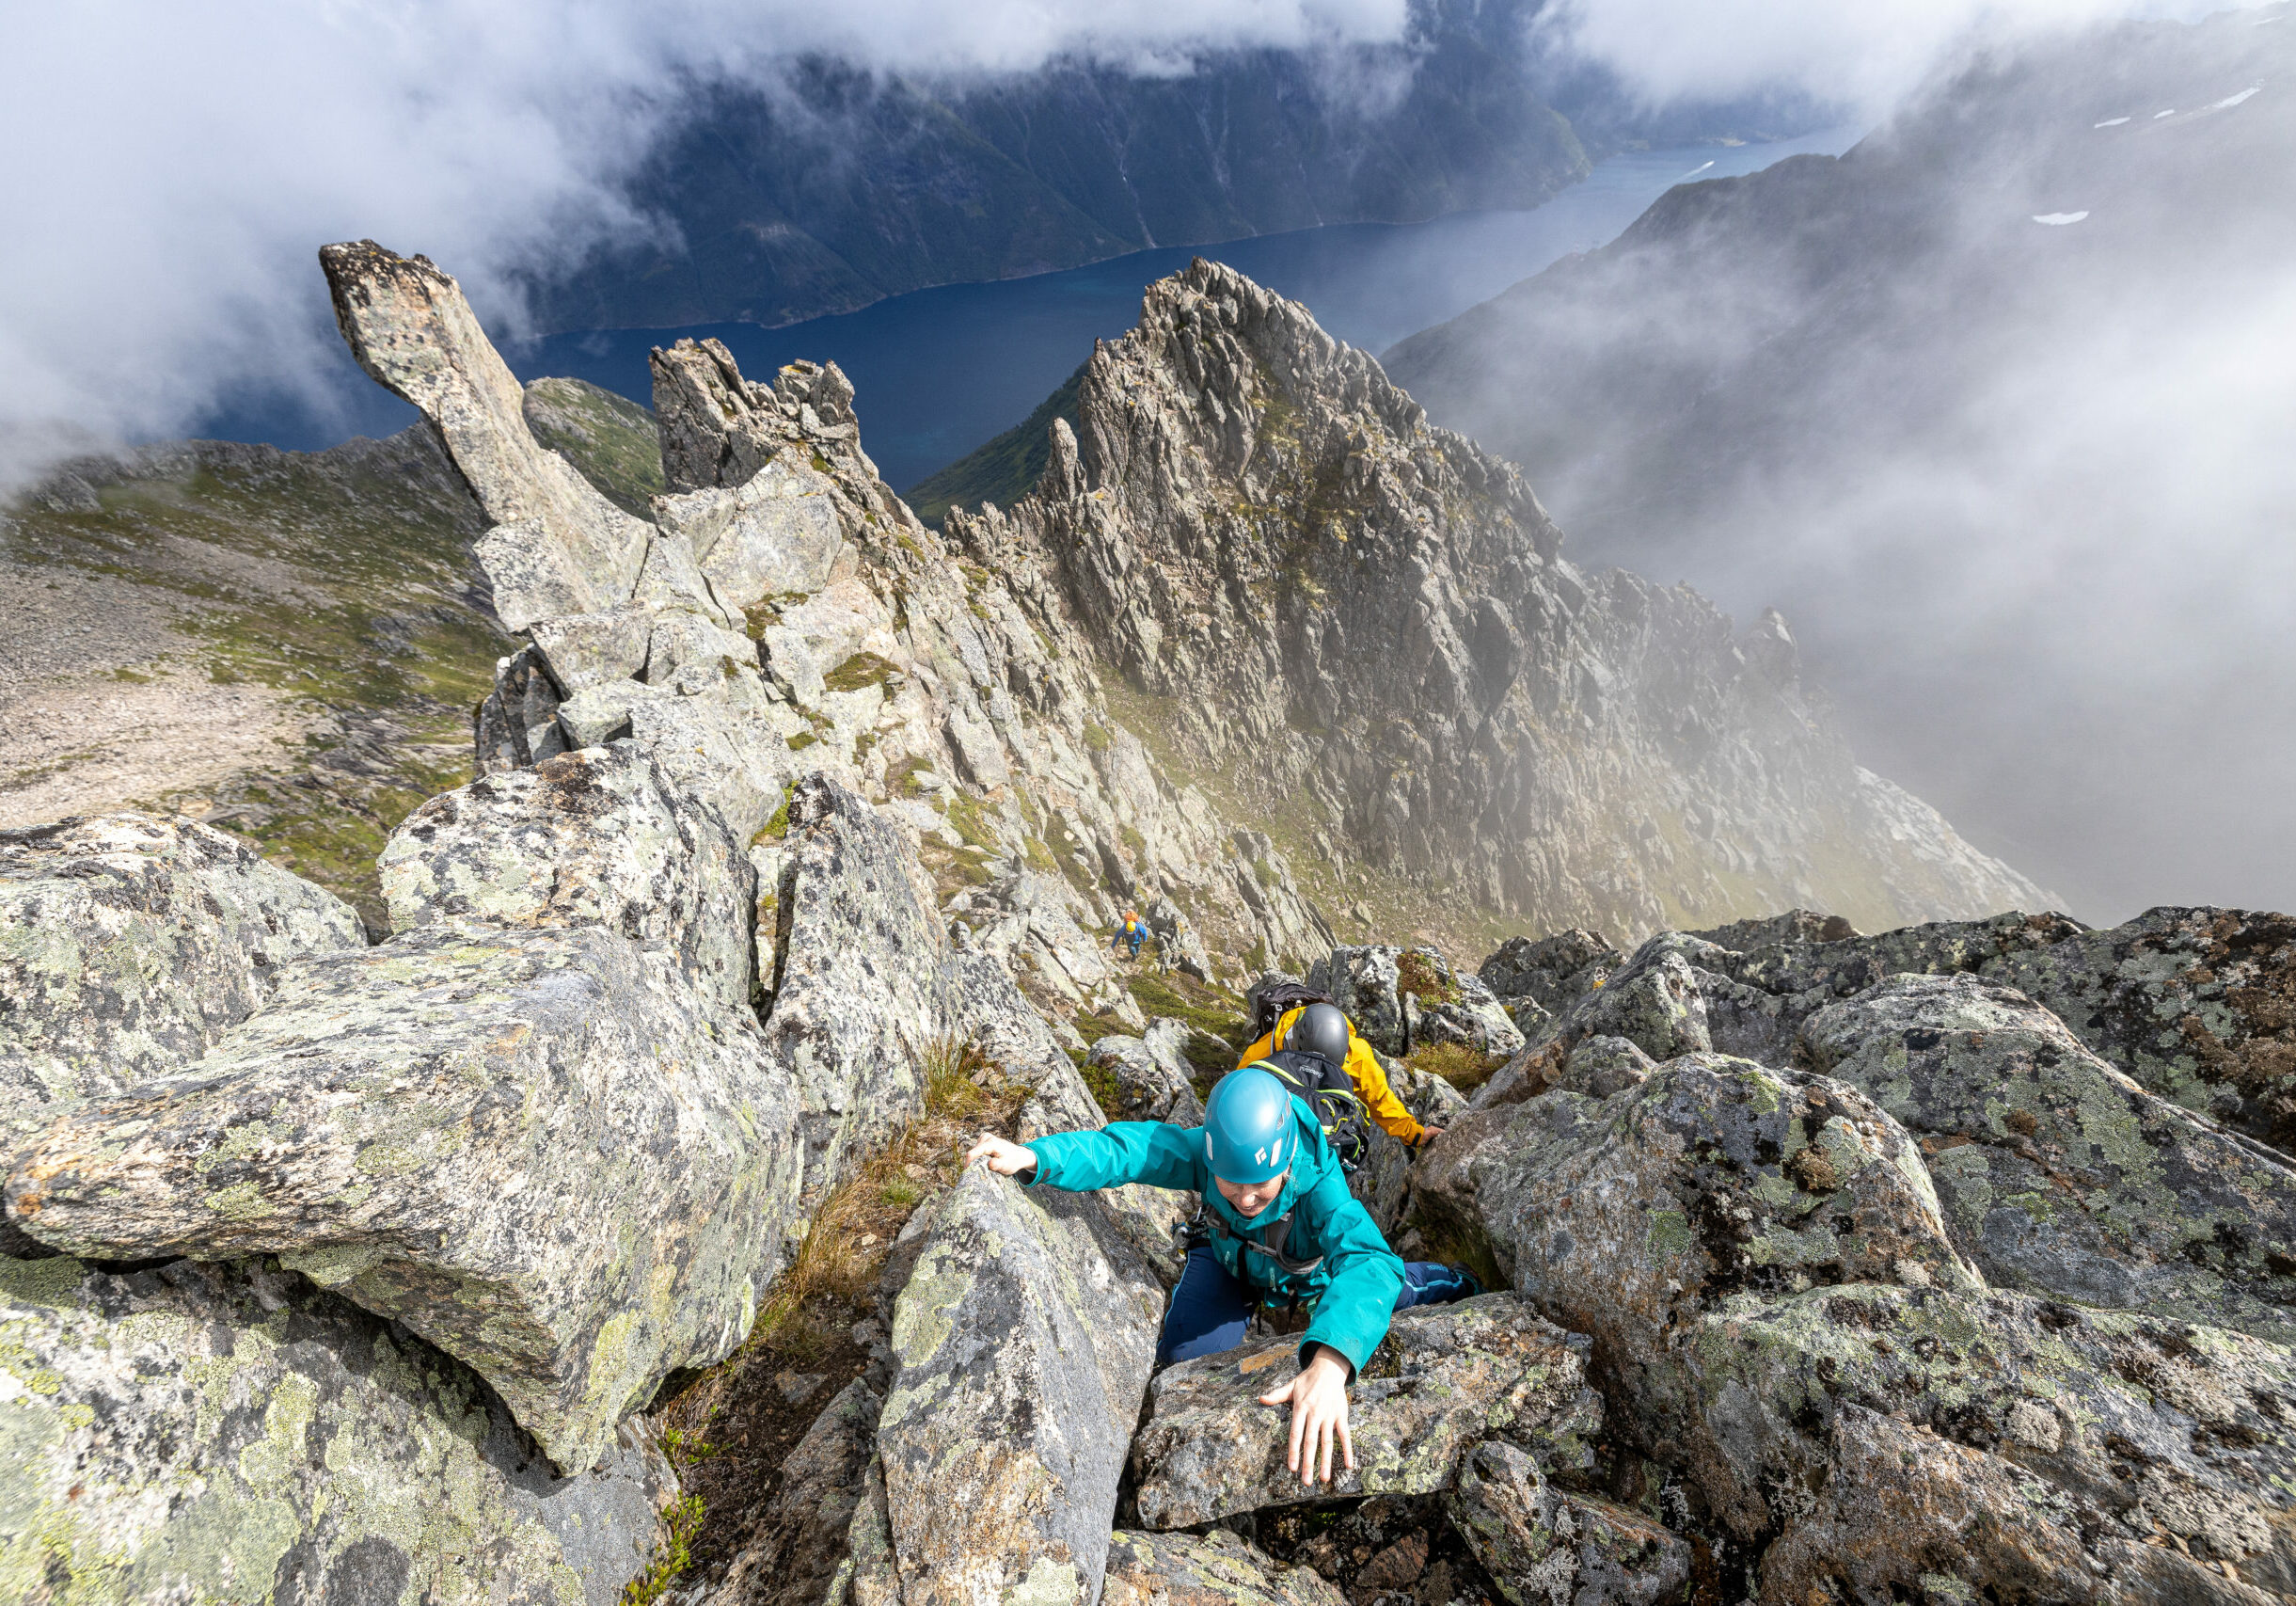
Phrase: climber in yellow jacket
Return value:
(1331, 1034)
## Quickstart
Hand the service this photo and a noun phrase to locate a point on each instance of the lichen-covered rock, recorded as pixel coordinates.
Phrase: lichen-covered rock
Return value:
(804, 1533)
(1150, 1084)
(2071, 1455)
(1154, 1221)
(1448, 1378)
(2059, 1174)
(1383, 1182)
(861, 972)
(1022, 1343)
(2197, 1005)
(231, 1433)
(774, 534)
(1601, 1066)
(1793, 926)
(129, 944)
(1659, 1001)
(519, 720)
(1624, 1218)
(1550, 971)
(1543, 1545)
(868, 1576)
(560, 547)
(588, 649)
(1364, 983)
(590, 837)
(545, 1151)
(1218, 1569)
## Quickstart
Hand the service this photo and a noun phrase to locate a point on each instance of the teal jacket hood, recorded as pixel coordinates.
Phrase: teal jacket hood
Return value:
(1356, 1277)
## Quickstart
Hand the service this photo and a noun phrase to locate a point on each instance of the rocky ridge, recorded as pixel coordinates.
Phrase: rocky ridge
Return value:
(1375, 620)
(1833, 1267)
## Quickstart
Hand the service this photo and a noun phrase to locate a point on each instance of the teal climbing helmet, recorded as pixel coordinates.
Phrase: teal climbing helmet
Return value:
(1249, 1133)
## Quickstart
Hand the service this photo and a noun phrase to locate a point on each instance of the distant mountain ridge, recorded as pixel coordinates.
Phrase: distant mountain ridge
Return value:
(1975, 367)
(851, 186)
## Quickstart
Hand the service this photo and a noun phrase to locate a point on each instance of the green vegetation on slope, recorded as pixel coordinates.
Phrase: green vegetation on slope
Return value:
(333, 592)
(1003, 470)
(611, 438)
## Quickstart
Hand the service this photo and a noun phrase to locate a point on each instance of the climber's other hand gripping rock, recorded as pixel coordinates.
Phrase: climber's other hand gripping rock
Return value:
(1318, 1397)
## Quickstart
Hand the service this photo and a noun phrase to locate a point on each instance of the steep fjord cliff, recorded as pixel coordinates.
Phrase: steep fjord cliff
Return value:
(1375, 620)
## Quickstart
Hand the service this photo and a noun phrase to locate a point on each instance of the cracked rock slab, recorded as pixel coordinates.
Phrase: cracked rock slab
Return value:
(1023, 1343)
(542, 1150)
(129, 944)
(2060, 1175)
(1218, 1569)
(231, 1433)
(597, 836)
(1446, 1379)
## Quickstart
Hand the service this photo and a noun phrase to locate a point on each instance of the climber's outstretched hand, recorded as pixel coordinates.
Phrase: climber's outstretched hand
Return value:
(1005, 1156)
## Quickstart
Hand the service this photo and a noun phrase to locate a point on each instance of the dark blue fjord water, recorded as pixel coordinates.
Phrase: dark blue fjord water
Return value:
(937, 372)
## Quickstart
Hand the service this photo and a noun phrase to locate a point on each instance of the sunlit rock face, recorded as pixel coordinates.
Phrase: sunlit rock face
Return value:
(1376, 619)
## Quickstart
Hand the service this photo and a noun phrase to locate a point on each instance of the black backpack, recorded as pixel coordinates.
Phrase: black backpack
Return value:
(1276, 1002)
(1330, 1092)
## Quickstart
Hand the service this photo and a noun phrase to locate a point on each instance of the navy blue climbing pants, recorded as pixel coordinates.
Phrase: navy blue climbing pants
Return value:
(1212, 1304)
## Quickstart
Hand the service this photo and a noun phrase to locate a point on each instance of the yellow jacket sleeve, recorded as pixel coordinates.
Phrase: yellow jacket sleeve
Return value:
(1362, 1069)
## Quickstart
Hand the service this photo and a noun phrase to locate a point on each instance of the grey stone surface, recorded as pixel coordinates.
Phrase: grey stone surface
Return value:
(517, 721)
(1624, 1218)
(231, 1433)
(776, 533)
(588, 649)
(596, 715)
(573, 552)
(1448, 1378)
(129, 944)
(543, 1150)
(1550, 971)
(592, 837)
(1218, 1569)
(1544, 1545)
(1023, 1343)
(670, 581)
(860, 972)
(2198, 1005)
(2058, 1174)
(1150, 1086)
(1153, 1220)
(2019, 1445)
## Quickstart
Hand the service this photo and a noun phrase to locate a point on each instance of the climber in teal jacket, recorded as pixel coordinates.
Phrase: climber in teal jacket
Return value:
(1281, 1226)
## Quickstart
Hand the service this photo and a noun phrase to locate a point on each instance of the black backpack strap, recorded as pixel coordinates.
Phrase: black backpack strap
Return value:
(1278, 1238)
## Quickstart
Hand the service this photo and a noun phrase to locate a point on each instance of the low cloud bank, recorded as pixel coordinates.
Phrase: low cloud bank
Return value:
(175, 167)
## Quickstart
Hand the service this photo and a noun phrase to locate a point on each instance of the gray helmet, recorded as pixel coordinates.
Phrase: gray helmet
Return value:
(1321, 1029)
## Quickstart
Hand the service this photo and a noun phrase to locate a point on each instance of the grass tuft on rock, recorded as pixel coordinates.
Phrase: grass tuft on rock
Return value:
(805, 1328)
(1463, 1065)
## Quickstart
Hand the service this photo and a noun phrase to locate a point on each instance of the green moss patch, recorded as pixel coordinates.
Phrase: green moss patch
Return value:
(861, 669)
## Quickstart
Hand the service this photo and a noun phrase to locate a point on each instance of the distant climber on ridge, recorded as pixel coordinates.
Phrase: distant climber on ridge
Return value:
(1306, 1021)
(1282, 1229)
(1133, 931)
